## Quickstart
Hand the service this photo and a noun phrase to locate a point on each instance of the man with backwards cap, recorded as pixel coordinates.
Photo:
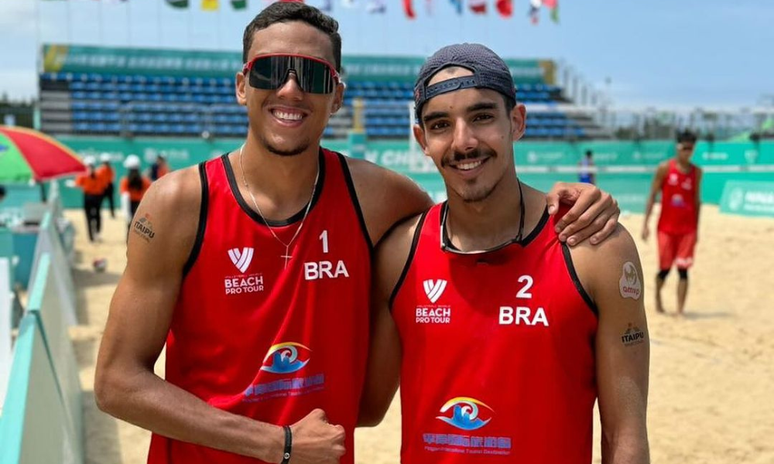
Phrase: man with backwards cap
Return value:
(501, 335)
(254, 269)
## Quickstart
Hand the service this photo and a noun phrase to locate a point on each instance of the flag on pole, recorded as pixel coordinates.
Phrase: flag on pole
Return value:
(210, 5)
(553, 5)
(408, 8)
(376, 7)
(239, 4)
(178, 3)
(477, 6)
(457, 4)
(534, 11)
(505, 8)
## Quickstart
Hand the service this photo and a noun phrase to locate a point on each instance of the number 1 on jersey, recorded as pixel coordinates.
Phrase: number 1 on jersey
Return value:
(324, 239)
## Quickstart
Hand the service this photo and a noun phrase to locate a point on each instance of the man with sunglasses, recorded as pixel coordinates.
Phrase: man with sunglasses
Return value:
(502, 336)
(255, 269)
(679, 182)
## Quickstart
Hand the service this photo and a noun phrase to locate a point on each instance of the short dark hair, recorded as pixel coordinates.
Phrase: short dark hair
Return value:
(589, 153)
(282, 12)
(686, 136)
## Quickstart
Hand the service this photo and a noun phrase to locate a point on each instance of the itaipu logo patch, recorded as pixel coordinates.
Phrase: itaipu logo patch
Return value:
(144, 228)
(630, 283)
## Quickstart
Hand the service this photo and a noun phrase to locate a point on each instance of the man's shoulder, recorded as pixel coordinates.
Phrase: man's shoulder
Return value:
(619, 243)
(177, 191)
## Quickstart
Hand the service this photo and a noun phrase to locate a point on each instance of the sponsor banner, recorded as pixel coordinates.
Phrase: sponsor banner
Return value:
(154, 62)
(625, 169)
(186, 63)
(748, 198)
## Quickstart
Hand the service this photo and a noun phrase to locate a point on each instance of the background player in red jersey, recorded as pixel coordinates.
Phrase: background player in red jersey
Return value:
(501, 335)
(292, 55)
(679, 182)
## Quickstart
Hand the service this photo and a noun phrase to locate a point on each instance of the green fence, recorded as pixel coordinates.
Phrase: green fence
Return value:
(42, 414)
(41, 419)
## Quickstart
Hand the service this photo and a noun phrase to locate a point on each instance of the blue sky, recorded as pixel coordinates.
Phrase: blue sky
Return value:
(656, 53)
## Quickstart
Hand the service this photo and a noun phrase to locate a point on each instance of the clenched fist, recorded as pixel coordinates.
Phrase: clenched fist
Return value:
(315, 441)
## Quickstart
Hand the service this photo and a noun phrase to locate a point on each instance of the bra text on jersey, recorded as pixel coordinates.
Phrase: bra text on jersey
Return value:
(522, 315)
(324, 270)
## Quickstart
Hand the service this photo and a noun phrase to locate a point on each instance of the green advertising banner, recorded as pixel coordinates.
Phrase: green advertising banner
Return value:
(158, 62)
(625, 169)
(155, 62)
(748, 198)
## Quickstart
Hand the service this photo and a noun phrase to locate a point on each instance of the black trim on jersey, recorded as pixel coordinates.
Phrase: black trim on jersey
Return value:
(202, 226)
(232, 182)
(448, 245)
(409, 259)
(537, 230)
(355, 201)
(576, 280)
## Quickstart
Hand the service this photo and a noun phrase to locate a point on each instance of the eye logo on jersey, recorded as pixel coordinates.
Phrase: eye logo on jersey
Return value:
(284, 358)
(434, 289)
(465, 413)
(241, 259)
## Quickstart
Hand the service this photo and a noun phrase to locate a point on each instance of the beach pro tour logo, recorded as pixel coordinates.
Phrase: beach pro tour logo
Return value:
(286, 358)
(465, 413)
(434, 289)
(241, 259)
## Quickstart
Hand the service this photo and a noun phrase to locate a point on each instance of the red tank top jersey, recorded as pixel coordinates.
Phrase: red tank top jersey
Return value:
(678, 201)
(252, 338)
(498, 352)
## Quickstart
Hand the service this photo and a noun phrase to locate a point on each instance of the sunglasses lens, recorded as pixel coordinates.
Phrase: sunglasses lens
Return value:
(271, 73)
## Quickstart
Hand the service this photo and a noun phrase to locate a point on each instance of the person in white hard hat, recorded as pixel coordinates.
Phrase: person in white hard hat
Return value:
(108, 176)
(133, 187)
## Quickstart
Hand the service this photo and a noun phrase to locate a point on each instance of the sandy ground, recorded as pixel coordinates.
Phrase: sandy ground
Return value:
(712, 372)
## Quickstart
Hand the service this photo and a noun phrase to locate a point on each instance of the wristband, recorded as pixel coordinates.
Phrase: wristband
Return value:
(288, 445)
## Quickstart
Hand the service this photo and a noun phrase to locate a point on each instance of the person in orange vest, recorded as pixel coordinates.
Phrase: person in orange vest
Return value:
(159, 168)
(93, 188)
(133, 187)
(108, 176)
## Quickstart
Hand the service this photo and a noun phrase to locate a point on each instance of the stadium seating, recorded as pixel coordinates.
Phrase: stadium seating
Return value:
(128, 105)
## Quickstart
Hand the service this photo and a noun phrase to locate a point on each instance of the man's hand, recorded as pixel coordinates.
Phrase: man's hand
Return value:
(594, 212)
(315, 441)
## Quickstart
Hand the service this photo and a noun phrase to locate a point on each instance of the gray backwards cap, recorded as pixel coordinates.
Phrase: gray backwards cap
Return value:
(489, 72)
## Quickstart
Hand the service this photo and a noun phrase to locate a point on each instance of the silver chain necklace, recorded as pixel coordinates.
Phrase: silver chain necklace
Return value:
(287, 256)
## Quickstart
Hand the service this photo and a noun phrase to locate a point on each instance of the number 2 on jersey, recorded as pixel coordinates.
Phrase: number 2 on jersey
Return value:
(524, 292)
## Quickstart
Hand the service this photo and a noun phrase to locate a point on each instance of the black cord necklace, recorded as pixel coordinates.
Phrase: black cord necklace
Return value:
(447, 245)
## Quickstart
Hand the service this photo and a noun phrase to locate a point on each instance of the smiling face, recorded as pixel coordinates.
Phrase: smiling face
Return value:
(287, 121)
(469, 135)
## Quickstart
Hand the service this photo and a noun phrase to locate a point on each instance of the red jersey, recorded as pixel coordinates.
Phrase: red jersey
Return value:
(678, 201)
(498, 352)
(271, 343)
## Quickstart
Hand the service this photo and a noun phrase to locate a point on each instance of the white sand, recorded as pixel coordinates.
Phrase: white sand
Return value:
(712, 372)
